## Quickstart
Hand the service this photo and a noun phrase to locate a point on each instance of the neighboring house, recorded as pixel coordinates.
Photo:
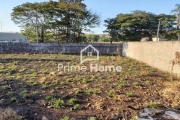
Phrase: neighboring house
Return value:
(12, 37)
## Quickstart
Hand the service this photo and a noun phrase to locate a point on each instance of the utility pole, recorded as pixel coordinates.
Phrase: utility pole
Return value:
(158, 30)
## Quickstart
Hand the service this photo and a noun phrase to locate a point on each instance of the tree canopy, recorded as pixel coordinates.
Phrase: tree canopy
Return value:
(65, 20)
(177, 13)
(138, 24)
(68, 20)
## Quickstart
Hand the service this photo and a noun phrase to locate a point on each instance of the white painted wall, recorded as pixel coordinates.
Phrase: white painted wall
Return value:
(159, 39)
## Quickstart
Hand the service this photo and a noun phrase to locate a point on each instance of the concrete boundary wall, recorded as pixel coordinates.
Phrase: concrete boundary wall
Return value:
(156, 54)
(108, 49)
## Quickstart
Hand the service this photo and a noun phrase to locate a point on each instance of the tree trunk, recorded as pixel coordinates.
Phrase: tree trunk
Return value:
(67, 36)
(178, 27)
(78, 37)
(42, 34)
(37, 34)
(111, 41)
(58, 36)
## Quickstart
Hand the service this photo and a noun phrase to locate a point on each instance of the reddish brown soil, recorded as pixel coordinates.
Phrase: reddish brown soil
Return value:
(35, 83)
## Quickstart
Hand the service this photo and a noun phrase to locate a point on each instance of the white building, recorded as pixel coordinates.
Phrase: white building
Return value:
(12, 37)
(159, 39)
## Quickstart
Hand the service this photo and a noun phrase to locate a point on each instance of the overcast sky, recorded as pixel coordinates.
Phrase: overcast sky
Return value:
(106, 9)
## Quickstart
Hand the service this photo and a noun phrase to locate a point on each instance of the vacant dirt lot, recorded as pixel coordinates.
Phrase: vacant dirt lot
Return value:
(32, 86)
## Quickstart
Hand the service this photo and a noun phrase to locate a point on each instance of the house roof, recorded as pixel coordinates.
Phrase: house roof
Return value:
(9, 35)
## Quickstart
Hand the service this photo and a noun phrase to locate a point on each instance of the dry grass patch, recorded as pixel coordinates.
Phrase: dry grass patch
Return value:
(172, 92)
(8, 114)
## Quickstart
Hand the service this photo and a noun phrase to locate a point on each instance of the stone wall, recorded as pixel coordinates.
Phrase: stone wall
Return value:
(108, 49)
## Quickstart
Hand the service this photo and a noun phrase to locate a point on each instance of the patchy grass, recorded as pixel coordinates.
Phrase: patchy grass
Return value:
(32, 81)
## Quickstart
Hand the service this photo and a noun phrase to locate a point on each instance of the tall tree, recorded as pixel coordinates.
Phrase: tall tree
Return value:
(137, 24)
(111, 28)
(66, 20)
(32, 14)
(177, 12)
(77, 19)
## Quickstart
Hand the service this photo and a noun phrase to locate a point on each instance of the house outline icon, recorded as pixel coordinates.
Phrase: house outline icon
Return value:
(81, 54)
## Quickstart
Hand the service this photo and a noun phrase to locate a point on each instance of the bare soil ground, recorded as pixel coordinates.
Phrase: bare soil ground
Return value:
(33, 87)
